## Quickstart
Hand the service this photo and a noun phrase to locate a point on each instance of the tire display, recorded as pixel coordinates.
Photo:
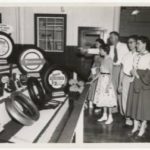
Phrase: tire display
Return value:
(22, 109)
(31, 60)
(6, 45)
(55, 78)
(36, 92)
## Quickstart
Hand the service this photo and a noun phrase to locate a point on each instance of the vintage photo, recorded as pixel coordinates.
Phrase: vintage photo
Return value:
(74, 74)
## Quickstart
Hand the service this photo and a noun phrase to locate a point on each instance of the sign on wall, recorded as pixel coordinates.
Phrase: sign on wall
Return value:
(6, 28)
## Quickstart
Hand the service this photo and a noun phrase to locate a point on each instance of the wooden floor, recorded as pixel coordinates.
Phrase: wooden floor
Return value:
(96, 132)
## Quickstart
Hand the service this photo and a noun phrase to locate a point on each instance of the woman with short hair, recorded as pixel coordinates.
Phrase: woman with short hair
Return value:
(138, 104)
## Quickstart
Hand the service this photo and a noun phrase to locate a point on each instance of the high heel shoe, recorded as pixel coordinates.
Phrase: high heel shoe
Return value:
(136, 126)
(142, 130)
(103, 118)
(110, 120)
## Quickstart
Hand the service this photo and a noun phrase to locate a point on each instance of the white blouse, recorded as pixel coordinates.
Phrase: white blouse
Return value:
(122, 50)
(127, 62)
(142, 61)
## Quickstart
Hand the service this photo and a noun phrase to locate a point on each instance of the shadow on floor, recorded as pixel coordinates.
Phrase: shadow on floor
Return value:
(117, 132)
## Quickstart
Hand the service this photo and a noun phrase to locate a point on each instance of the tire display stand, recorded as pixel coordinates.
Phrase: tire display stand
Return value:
(6, 48)
(44, 129)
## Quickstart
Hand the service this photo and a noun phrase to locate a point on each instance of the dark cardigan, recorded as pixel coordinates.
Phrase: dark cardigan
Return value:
(144, 82)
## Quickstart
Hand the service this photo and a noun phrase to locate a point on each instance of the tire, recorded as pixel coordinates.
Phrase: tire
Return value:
(10, 43)
(28, 114)
(39, 100)
(24, 49)
(45, 78)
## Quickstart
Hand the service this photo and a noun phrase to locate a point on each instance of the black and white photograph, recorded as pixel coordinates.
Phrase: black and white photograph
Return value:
(74, 74)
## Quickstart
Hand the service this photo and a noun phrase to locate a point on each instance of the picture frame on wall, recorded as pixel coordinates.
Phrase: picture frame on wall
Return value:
(50, 32)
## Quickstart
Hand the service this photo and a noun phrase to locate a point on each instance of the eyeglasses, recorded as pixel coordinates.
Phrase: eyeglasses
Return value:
(130, 42)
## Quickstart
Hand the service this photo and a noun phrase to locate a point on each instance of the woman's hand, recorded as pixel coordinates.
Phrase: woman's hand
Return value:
(134, 73)
(89, 82)
(137, 76)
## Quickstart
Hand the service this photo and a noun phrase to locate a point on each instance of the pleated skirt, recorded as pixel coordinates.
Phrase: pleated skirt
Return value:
(138, 104)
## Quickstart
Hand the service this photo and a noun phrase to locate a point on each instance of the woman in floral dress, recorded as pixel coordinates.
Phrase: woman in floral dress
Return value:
(105, 96)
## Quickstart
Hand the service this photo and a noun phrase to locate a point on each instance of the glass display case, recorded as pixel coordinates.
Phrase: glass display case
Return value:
(50, 32)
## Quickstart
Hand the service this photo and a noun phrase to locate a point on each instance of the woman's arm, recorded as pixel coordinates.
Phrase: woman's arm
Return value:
(120, 79)
(134, 73)
(110, 67)
(95, 78)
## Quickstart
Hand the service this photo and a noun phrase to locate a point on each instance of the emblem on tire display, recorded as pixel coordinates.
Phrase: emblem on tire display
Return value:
(55, 80)
(6, 45)
(32, 60)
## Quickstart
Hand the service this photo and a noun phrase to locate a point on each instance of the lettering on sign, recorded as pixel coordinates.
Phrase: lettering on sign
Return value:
(32, 60)
(6, 28)
(57, 79)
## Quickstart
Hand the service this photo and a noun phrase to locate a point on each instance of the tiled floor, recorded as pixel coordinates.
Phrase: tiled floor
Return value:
(96, 132)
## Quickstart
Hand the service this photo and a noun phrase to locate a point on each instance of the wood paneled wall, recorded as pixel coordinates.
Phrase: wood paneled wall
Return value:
(69, 59)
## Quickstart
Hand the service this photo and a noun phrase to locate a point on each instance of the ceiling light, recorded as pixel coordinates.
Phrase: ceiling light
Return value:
(135, 12)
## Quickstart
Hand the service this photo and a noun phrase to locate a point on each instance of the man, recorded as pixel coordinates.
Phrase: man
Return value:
(125, 75)
(117, 51)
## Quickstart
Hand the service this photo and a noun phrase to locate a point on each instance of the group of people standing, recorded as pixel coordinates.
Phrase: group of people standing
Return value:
(120, 81)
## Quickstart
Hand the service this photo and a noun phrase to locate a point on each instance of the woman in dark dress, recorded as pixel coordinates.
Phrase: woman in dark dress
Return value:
(138, 104)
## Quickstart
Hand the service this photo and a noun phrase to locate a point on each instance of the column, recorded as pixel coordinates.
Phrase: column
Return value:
(116, 19)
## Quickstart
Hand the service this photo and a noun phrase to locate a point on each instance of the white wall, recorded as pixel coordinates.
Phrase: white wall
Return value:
(10, 17)
(94, 16)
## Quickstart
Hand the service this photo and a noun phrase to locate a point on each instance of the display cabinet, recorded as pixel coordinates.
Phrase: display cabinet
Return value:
(50, 32)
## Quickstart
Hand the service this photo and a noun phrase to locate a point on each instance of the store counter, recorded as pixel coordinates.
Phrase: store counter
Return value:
(59, 125)
(74, 128)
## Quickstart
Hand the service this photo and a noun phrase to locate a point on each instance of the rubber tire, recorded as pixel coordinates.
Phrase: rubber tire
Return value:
(39, 102)
(22, 117)
(11, 40)
(45, 75)
(25, 48)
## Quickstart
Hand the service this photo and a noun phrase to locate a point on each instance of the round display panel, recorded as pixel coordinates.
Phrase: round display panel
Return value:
(57, 79)
(6, 45)
(32, 60)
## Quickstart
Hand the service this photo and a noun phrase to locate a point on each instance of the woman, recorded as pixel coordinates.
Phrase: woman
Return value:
(105, 96)
(138, 104)
(95, 70)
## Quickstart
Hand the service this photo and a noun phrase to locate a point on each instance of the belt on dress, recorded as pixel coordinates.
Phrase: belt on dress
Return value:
(104, 73)
(118, 65)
